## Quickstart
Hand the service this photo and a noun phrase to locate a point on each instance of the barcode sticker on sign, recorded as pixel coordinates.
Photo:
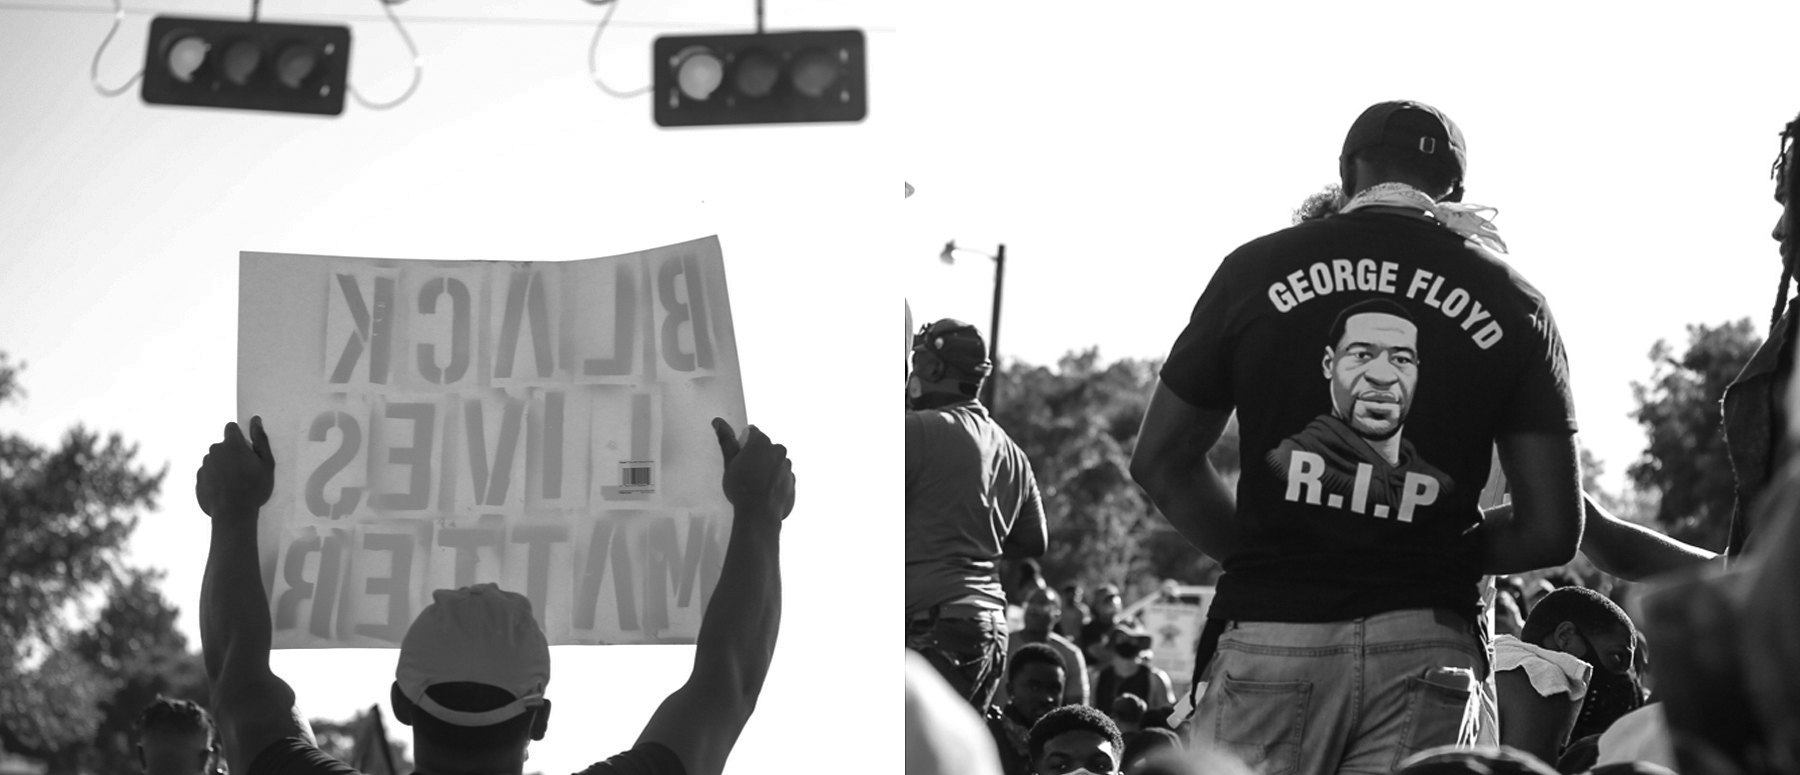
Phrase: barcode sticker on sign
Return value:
(634, 476)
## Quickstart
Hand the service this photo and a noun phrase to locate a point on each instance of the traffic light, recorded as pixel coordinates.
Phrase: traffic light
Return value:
(760, 78)
(219, 63)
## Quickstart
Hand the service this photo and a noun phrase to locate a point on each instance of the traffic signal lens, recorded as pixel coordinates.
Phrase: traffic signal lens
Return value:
(757, 73)
(186, 57)
(699, 73)
(241, 59)
(295, 64)
(814, 72)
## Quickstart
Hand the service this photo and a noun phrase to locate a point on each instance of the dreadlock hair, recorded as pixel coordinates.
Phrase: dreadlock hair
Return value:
(173, 714)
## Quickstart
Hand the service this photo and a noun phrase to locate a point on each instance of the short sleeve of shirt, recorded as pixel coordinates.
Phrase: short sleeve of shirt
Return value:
(645, 759)
(1198, 369)
(1543, 402)
(295, 756)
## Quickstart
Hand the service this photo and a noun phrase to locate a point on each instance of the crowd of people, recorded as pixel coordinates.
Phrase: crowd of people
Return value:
(1377, 611)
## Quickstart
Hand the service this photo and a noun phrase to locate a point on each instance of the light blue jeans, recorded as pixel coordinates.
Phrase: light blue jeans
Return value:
(1356, 696)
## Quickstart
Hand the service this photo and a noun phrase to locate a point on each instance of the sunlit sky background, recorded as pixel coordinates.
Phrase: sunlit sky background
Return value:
(118, 282)
(1119, 151)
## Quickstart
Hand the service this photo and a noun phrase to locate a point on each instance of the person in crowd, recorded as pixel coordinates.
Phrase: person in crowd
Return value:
(177, 737)
(943, 734)
(1075, 612)
(971, 499)
(1076, 740)
(1104, 610)
(1030, 580)
(1128, 671)
(1128, 712)
(1034, 684)
(1507, 619)
(474, 665)
(1041, 612)
(1365, 528)
(1543, 678)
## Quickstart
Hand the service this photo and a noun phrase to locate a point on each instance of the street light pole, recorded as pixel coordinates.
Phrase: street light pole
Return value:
(988, 388)
(949, 257)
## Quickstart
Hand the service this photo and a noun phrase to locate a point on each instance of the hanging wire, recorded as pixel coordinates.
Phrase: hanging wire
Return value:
(594, 45)
(255, 10)
(759, 15)
(94, 70)
(387, 6)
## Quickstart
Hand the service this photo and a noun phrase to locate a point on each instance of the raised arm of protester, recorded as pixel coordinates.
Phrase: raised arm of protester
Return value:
(701, 721)
(254, 707)
(1170, 463)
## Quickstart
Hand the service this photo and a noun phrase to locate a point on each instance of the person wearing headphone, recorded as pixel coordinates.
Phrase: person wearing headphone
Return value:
(971, 499)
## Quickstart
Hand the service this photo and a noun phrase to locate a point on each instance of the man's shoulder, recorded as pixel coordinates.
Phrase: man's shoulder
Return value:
(643, 759)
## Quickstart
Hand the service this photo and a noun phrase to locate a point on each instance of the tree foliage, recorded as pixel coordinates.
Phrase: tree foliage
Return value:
(70, 693)
(1078, 424)
(1685, 461)
(353, 742)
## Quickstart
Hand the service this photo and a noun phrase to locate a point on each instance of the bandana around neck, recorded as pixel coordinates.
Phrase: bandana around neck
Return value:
(1467, 220)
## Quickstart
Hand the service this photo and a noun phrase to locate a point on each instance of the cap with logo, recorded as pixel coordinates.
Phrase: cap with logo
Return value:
(477, 634)
(1404, 125)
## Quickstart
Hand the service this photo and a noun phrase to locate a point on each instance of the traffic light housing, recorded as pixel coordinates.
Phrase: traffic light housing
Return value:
(760, 78)
(220, 63)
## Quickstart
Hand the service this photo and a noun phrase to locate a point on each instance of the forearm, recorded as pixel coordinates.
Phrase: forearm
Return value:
(1631, 551)
(235, 630)
(738, 632)
(1511, 545)
(1194, 498)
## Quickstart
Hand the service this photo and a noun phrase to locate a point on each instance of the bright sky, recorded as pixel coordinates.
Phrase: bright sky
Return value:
(118, 285)
(1119, 152)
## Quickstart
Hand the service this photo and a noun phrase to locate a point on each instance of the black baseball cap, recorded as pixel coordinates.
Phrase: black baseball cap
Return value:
(958, 344)
(1405, 125)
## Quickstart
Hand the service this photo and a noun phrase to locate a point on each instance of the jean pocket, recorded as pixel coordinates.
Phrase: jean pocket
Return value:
(1440, 710)
(1262, 722)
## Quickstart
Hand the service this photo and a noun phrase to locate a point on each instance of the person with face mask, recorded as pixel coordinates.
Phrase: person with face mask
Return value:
(971, 500)
(1129, 672)
(1572, 664)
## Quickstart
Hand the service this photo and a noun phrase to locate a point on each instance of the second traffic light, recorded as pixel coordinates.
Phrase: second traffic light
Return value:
(760, 78)
(223, 63)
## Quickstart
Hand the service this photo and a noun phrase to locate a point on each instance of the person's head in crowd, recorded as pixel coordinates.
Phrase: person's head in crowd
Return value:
(177, 737)
(1483, 760)
(1140, 744)
(1076, 740)
(1034, 681)
(1781, 171)
(1583, 623)
(1043, 609)
(1404, 142)
(1106, 603)
(949, 361)
(1128, 712)
(1126, 646)
(1507, 619)
(471, 678)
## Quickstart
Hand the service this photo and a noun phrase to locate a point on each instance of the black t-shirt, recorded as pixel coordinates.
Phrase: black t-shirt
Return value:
(295, 756)
(1373, 358)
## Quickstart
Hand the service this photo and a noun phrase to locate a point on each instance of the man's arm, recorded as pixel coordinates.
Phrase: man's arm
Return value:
(701, 721)
(1529, 721)
(1170, 463)
(254, 707)
(1543, 528)
(1030, 534)
(1632, 551)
